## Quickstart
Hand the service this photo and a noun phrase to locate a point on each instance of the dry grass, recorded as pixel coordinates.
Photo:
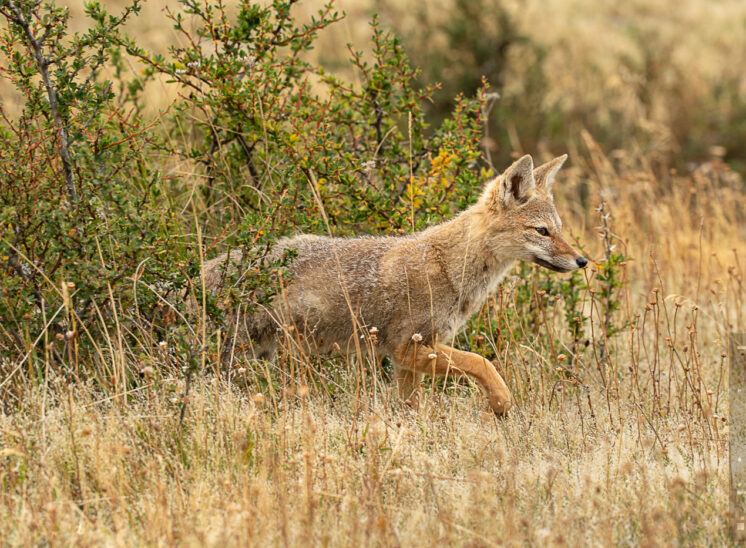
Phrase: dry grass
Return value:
(314, 472)
(632, 450)
(641, 458)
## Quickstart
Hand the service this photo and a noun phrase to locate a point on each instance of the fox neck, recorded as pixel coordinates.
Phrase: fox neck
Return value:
(479, 267)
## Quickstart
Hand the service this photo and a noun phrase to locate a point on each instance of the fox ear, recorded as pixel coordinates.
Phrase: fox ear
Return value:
(544, 174)
(516, 184)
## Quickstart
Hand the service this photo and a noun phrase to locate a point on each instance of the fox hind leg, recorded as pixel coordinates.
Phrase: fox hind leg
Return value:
(408, 385)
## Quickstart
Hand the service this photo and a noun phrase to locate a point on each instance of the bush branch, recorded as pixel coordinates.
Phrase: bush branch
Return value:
(13, 13)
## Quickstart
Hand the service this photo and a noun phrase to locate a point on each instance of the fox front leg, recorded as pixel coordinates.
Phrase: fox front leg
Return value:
(445, 360)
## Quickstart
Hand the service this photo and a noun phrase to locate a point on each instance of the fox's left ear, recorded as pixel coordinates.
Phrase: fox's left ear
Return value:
(514, 187)
(544, 174)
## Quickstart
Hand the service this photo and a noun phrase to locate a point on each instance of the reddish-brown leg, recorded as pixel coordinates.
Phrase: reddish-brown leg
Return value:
(445, 360)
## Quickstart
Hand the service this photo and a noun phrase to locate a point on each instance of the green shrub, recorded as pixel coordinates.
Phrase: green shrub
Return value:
(82, 211)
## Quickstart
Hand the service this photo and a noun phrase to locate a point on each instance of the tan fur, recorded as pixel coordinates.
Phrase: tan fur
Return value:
(417, 291)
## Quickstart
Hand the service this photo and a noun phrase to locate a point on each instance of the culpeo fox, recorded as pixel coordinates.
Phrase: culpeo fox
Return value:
(417, 290)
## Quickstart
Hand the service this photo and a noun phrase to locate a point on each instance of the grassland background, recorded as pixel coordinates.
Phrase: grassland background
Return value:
(651, 105)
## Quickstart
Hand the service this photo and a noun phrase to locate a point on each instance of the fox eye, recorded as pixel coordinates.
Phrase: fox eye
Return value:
(542, 230)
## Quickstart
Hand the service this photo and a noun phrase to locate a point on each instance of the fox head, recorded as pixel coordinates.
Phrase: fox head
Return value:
(520, 219)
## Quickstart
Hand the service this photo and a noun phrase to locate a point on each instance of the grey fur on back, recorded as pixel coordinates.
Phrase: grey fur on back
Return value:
(399, 285)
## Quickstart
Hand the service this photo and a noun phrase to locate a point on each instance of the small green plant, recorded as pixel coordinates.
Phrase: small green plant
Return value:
(609, 281)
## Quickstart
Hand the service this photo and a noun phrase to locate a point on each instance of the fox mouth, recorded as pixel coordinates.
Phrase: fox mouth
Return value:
(550, 266)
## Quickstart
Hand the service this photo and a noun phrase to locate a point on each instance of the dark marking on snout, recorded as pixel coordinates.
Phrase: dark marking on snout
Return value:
(550, 266)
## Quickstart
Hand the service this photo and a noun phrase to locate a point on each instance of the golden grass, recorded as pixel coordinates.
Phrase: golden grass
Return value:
(312, 472)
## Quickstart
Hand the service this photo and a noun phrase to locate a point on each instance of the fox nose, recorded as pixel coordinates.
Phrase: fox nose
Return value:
(581, 261)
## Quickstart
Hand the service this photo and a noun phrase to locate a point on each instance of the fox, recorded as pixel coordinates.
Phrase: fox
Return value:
(412, 293)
